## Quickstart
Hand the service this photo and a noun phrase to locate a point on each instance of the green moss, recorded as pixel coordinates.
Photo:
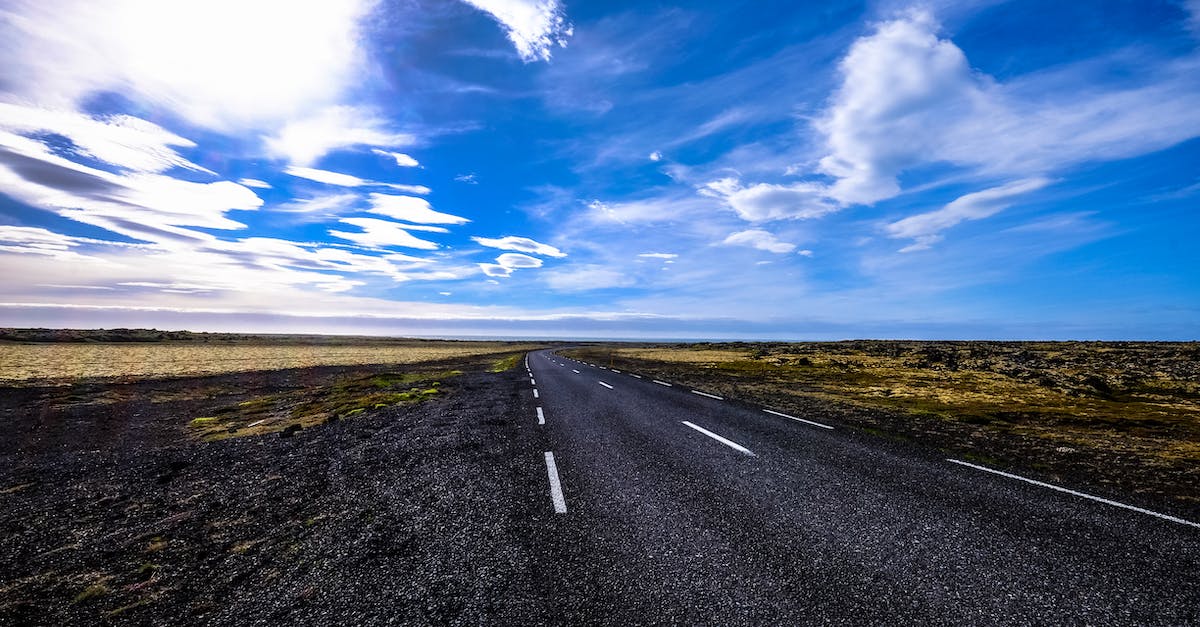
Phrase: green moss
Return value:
(507, 363)
(93, 591)
(307, 407)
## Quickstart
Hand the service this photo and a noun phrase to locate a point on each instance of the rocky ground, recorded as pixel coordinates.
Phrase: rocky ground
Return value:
(112, 512)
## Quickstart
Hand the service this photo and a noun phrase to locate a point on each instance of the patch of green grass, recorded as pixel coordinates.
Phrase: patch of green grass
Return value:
(93, 591)
(346, 398)
(507, 363)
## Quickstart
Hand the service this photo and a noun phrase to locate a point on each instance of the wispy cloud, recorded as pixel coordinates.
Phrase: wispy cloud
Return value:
(760, 239)
(762, 202)
(535, 27)
(401, 159)
(520, 244)
(382, 234)
(304, 141)
(411, 209)
(926, 228)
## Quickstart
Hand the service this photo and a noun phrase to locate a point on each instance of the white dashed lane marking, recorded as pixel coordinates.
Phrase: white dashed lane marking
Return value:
(727, 442)
(815, 424)
(662, 383)
(541, 416)
(556, 493)
(1079, 494)
(605, 384)
(707, 394)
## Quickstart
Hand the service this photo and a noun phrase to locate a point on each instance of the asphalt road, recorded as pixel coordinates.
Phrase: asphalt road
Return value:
(661, 504)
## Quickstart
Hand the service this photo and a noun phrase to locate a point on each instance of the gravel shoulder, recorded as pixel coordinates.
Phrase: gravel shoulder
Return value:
(110, 512)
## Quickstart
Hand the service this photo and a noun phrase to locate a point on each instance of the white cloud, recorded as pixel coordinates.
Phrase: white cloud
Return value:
(325, 204)
(520, 244)
(656, 156)
(254, 183)
(221, 63)
(141, 205)
(658, 255)
(762, 240)
(533, 26)
(925, 228)
(325, 176)
(304, 141)
(1193, 20)
(411, 209)
(495, 270)
(469, 179)
(401, 159)
(507, 262)
(517, 260)
(123, 141)
(763, 202)
(910, 98)
(588, 277)
(382, 233)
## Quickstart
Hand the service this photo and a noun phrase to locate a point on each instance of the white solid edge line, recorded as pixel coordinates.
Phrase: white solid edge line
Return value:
(574, 370)
(556, 493)
(535, 393)
(730, 443)
(1074, 493)
(662, 383)
(605, 384)
(541, 416)
(815, 424)
(707, 394)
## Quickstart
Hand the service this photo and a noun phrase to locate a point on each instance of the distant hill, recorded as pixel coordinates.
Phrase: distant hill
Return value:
(77, 336)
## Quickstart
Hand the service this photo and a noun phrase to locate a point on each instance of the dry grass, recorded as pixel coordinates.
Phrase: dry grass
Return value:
(55, 363)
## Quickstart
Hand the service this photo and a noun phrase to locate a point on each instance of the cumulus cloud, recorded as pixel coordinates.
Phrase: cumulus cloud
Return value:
(763, 202)
(383, 233)
(656, 156)
(926, 228)
(533, 26)
(304, 141)
(520, 244)
(401, 159)
(411, 209)
(325, 176)
(220, 63)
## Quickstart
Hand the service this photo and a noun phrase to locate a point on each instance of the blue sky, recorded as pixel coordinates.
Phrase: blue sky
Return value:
(783, 170)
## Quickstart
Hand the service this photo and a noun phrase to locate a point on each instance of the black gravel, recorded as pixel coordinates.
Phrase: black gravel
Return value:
(412, 515)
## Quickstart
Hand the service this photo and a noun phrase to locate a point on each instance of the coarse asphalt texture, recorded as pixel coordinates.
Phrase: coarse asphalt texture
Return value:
(676, 508)
(814, 525)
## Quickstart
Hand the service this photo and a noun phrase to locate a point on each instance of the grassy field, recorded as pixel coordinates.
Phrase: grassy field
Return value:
(22, 363)
(1061, 406)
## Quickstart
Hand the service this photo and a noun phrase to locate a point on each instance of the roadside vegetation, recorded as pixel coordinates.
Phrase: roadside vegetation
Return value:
(1116, 412)
(299, 409)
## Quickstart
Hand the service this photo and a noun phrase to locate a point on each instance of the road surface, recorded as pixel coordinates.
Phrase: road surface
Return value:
(665, 504)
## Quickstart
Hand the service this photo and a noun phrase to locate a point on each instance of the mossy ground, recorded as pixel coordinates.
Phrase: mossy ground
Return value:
(306, 407)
